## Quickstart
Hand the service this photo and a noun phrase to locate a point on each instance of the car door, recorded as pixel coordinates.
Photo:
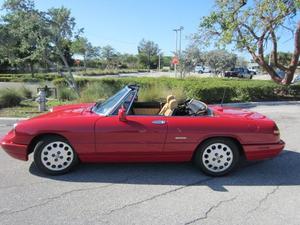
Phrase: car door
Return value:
(137, 135)
(186, 132)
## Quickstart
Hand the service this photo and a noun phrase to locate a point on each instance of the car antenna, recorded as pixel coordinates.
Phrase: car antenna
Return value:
(223, 97)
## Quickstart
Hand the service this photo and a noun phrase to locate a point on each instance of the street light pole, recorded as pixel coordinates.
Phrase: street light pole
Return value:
(180, 30)
(176, 50)
(159, 62)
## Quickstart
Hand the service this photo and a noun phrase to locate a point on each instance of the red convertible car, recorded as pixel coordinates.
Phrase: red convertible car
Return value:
(123, 129)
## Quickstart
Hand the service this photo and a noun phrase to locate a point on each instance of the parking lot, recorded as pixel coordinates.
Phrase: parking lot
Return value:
(265, 192)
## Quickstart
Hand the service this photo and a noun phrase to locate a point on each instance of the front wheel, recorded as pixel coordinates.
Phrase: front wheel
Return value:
(54, 155)
(217, 157)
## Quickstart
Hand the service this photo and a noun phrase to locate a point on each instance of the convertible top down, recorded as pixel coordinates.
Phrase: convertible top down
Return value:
(123, 129)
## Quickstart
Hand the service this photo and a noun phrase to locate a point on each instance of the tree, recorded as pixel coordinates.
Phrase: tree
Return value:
(166, 61)
(110, 56)
(28, 35)
(190, 57)
(19, 31)
(251, 26)
(129, 61)
(83, 47)
(148, 54)
(241, 62)
(59, 27)
(220, 60)
(284, 58)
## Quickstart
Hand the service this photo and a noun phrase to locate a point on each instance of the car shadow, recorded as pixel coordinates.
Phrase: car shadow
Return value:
(282, 170)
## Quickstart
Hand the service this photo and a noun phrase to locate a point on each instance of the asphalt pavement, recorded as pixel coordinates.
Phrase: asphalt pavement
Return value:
(264, 192)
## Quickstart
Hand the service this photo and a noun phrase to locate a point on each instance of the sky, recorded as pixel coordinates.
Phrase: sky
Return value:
(124, 23)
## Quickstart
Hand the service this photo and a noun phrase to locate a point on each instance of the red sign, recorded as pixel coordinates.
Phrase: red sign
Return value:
(175, 60)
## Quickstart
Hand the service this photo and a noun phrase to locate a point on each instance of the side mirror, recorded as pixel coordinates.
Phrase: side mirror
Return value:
(122, 114)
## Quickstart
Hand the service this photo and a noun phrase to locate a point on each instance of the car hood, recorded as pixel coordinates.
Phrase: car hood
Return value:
(236, 113)
(72, 106)
(64, 111)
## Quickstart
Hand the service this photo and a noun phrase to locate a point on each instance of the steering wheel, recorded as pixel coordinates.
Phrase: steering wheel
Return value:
(186, 102)
(203, 109)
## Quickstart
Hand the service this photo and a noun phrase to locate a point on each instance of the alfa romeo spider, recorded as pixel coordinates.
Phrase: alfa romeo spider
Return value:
(124, 129)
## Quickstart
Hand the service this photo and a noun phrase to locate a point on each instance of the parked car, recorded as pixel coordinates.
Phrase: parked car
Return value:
(123, 129)
(252, 71)
(238, 72)
(202, 69)
(280, 73)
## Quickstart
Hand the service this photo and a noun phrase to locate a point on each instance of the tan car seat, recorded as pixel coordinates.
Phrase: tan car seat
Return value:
(172, 105)
(166, 105)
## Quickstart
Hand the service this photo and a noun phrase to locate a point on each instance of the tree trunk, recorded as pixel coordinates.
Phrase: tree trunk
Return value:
(84, 62)
(31, 66)
(289, 73)
(70, 79)
(260, 61)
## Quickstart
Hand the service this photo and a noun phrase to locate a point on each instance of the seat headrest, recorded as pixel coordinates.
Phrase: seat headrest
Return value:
(173, 104)
(170, 97)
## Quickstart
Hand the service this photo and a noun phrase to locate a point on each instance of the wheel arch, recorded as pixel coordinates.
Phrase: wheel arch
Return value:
(38, 137)
(234, 139)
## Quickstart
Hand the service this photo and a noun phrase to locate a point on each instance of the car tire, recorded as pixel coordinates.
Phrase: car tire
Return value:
(54, 155)
(217, 156)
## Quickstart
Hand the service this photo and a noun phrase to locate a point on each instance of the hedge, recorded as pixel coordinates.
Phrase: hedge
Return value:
(210, 90)
(27, 77)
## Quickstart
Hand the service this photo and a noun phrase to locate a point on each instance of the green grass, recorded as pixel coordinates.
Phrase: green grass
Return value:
(27, 109)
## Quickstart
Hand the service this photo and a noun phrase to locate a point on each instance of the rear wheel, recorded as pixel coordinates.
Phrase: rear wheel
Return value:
(217, 156)
(54, 155)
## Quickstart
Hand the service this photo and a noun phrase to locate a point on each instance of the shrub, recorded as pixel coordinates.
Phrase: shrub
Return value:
(210, 90)
(66, 94)
(9, 98)
(26, 93)
(95, 91)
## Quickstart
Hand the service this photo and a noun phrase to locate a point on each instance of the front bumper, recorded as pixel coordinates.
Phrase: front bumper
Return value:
(263, 151)
(17, 151)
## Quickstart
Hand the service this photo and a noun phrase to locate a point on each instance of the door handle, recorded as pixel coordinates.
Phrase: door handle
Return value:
(158, 122)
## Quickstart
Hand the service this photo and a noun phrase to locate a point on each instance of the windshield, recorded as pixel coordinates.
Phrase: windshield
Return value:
(105, 107)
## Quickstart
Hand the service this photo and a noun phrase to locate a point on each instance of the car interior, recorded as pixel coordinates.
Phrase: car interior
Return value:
(171, 107)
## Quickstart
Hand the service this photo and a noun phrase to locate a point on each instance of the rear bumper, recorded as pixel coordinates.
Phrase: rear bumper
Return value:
(16, 151)
(263, 151)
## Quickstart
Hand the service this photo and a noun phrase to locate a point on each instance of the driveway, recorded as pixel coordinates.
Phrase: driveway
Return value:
(265, 192)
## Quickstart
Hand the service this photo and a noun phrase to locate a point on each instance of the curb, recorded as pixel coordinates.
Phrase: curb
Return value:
(253, 104)
(14, 118)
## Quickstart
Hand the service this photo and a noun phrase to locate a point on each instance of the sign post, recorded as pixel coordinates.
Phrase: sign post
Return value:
(175, 62)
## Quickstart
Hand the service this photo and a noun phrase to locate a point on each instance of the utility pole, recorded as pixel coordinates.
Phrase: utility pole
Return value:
(180, 30)
(158, 62)
(176, 50)
(149, 61)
